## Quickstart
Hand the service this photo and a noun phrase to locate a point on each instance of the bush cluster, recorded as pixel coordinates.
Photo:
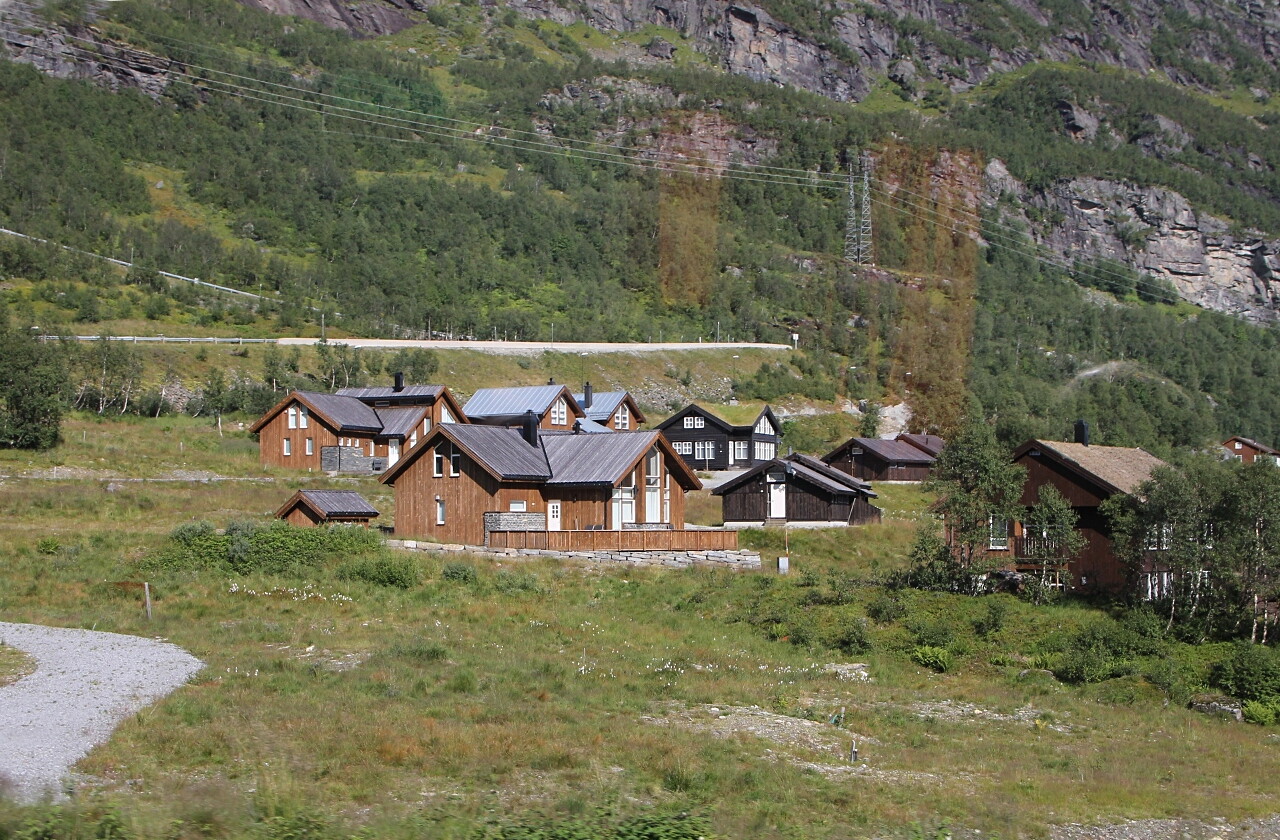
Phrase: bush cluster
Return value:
(245, 547)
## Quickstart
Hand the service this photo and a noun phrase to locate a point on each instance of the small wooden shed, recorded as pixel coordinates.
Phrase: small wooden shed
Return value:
(796, 490)
(308, 508)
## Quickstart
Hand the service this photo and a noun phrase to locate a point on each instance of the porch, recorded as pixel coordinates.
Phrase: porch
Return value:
(628, 540)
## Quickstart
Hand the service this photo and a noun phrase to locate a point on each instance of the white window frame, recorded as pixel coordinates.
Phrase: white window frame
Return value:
(455, 463)
(439, 511)
(437, 462)
(683, 447)
(704, 450)
(288, 446)
(518, 506)
(310, 446)
(622, 418)
(764, 427)
(559, 413)
(995, 542)
(302, 417)
(741, 451)
(293, 416)
(446, 416)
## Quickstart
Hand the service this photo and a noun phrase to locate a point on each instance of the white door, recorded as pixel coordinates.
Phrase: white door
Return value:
(777, 496)
(393, 452)
(553, 516)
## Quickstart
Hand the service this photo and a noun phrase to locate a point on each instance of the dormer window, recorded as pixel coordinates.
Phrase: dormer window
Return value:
(622, 418)
(559, 413)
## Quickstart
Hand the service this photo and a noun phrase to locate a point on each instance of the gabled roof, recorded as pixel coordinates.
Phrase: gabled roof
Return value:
(330, 503)
(387, 392)
(1261, 447)
(1119, 469)
(492, 403)
(806, 469)
(929, 444)
(604, 404)
(344, 414)
(400, 420)
(892, 451)
(559, 459)
(718, 421)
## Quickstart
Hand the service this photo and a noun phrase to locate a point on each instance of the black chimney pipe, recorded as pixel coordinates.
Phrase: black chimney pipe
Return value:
(529, 428)
(399, 386)
(588, 395)
(1082, 432)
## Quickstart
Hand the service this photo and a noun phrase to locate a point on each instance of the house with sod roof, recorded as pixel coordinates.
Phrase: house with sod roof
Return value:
(528, 487)
(796, 490)
(707, 441)
(877, 459)
(615, 410)
(552, 404)
(1086, 476)
(354, 430)
(309, 508)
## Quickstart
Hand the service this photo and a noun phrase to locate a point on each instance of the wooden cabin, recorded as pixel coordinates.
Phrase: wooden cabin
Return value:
(1247, 451)
(1086, 476)
(707, 441)
(552, 404)
(309, 508)
(354, 430)
(614, 410)
(464, 483)
(876, 459)
(796, 490)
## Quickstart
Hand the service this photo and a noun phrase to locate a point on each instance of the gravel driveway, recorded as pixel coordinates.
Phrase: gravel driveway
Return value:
(84, 684)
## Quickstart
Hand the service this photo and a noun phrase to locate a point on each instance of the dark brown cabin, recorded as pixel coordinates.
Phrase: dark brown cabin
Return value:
(796, 490)
(876, 459)
(708, 442)
(309, 508)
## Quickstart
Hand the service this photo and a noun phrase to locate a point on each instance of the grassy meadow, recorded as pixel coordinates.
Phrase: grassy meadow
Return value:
(493, 698)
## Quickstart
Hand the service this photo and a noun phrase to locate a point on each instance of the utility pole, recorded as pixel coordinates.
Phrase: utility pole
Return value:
(864, 232)
(852, 219)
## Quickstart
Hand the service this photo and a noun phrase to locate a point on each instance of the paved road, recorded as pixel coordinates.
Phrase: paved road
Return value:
(84, 684)
(530, 348)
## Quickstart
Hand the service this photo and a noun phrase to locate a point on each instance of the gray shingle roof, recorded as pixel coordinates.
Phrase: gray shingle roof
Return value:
(806, 469)
(893, 450)
(505, 402)
(931, 444)
(503, 450)
(594, 459)
(399, 421)
(338, 502)
(347, 413)
(386, 392)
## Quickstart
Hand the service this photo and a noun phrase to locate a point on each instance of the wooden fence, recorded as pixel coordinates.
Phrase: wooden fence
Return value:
(616, 540)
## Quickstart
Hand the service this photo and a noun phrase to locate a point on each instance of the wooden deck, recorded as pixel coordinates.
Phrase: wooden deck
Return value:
(616, 540)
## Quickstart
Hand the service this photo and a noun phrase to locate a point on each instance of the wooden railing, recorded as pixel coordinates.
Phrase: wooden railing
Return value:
(616, 540)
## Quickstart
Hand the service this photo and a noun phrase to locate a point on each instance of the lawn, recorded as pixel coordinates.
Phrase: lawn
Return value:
(544, 692)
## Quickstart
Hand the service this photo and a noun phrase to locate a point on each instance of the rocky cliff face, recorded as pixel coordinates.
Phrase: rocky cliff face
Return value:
(1154, 231)
(363, 17)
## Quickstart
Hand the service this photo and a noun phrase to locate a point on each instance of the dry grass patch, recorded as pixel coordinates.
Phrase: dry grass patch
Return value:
(14, 664)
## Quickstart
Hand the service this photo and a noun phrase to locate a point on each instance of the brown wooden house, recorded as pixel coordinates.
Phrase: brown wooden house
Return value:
(356, 429)
(552, 404)
(1086, 476)
(1247, 451)
(876, 459)
(466, 484)
(309, 508)
(796, 490)
(614, 410)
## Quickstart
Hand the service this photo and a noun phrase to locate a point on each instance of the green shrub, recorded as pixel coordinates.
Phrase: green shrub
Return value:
(515, 583)
(459, 573)
(1090, 665)
(1261, 712)
(936, 658)
(48, 545)
(851, 637)
(1251, 672)
(992, 620)
(885, 609)
(936, 633)
(383, 569)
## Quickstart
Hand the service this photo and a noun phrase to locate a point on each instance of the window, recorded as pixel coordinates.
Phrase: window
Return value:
(445, 416)
(518, 506)
(413, 438)
(455, 460)
(439, 511)
(1159, 538)
(302, 417)
(293, 417)
(765, 451)
(999, 534)
(741, 450)
(764, 427)
(1239, 445)
(695, 422)
(437, 463)
(704, 450)
(683, 447)
(559, 413)
(288, 446)
(311, 446)
(426, 425)
(622, 418)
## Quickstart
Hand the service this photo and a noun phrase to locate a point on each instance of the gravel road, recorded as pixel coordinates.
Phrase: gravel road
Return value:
(84, 684)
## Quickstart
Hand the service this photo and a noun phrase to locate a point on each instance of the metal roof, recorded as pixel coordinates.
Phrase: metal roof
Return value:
(889, 450)
(347, 413)
(399, 421)
(595, 459)
(503, 450)
(603, 404)
(338, 502)
(503, 402)
(387, 392)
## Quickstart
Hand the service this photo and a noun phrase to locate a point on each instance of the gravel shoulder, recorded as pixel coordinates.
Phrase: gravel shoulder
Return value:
(84, 684)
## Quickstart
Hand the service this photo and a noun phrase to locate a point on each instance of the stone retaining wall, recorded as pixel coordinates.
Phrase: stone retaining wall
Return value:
(735, 559)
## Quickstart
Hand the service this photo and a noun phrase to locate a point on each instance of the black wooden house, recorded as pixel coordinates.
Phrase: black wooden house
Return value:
(796, 490)
(708, 442)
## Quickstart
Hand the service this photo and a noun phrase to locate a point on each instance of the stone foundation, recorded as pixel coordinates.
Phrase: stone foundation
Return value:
(730, 559)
